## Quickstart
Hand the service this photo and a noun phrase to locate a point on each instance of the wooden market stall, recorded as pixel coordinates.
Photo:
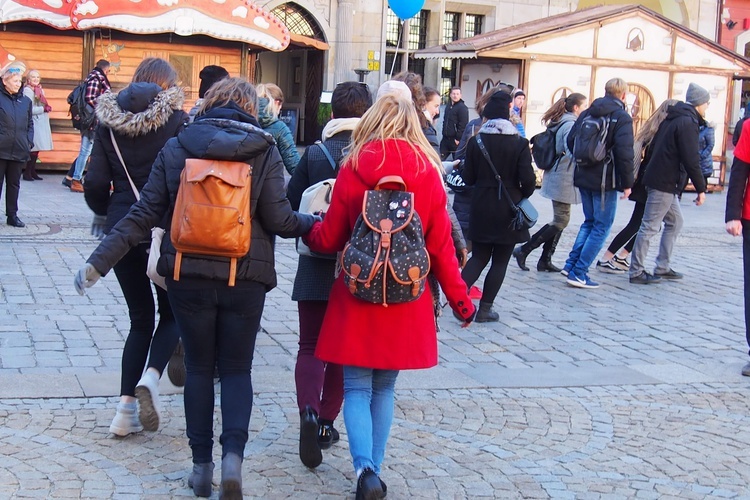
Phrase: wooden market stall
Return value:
(580, 51)
(63, 44)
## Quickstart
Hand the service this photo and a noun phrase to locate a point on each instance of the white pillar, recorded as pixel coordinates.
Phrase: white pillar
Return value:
(343, 66)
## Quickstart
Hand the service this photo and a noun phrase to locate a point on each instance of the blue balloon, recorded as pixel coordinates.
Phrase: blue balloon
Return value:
(406, 9)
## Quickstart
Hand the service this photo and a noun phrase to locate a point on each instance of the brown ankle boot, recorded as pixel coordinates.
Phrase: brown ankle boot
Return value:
(76, 186)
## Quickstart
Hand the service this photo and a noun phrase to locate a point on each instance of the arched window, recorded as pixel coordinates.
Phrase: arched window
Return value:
(298, 20)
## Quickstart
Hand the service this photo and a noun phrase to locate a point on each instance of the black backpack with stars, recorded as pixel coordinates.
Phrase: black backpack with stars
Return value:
(385, 261)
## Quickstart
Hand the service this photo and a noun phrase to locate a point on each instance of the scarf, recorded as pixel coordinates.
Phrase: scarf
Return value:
(39, 95)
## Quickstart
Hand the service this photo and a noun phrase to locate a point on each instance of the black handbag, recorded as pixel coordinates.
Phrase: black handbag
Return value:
(525, 215)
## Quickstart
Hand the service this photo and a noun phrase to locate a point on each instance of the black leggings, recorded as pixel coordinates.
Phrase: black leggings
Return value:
(480, 257)
(142, 340)
(626, 237)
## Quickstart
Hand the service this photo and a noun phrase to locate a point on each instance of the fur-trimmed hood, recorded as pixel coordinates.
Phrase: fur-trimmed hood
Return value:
(139, 108)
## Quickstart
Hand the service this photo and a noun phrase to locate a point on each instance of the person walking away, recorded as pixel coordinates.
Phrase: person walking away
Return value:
(706, 142)
(217, 322)
(40, 110)
(519, 100)
(615, 258)
(454, 122)
(737, 218)
(557, 183)
(140, 118)
(208, 76)
(97, 84)
(270, 103)
(16, 138)
(674, 159)
(320, 385)
(599, 184)
(373, 342)
(491, 214)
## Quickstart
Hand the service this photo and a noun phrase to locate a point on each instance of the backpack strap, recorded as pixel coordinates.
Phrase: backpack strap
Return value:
(502, 187)
(122, 162)
(328, 156)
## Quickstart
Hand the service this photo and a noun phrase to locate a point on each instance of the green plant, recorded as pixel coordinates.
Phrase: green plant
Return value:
(324, 113)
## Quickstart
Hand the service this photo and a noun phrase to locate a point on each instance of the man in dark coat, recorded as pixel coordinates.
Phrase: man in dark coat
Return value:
(674, 158)
(454, 123)
(599, 184)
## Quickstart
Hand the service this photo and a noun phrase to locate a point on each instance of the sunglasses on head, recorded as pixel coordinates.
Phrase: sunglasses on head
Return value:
(14, 70)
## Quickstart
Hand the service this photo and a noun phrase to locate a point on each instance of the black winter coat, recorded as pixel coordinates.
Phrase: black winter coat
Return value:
(225, 133)
(315, 276)
(143, 118)
(456, 118)
(619, 170)
(674, 155)
(490, 217)
(16, 126)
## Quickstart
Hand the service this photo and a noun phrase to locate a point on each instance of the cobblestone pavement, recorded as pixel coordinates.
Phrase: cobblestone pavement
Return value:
(622, 392)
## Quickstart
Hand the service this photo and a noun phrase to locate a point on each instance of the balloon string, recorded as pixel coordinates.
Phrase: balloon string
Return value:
(398, 46)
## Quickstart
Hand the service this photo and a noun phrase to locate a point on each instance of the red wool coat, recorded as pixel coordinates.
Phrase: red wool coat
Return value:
(400, 336)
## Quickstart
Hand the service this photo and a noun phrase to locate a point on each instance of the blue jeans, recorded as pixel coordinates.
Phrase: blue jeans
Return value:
(368, 413)
(218, 323)
(594, 230)
(87, 144)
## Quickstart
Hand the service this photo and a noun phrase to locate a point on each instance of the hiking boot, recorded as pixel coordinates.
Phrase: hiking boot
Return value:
(581, 282)
(176, 367)
(609, 267)
(645, 279)
(126, 420)
(620, 263)
(669, 275)
(231, 477)
(147, 392)
(201, 478)
(486, 314)
(309, 449)
(76, 186)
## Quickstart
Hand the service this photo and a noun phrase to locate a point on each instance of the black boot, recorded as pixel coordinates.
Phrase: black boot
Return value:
(524, 250)
(485, 314)
(231, 477)
(545, 261)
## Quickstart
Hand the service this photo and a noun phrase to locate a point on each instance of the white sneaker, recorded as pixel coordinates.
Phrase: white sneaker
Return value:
(126, 421)
(147, 392)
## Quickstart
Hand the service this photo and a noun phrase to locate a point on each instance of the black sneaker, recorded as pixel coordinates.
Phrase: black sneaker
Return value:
(669, 275)
(609, 267)
(645, 279)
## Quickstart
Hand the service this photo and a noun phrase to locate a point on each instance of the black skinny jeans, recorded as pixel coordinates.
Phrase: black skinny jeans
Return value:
(746, 268)
(480, 257)
(10, 173)
(626, 237)
(143, 341)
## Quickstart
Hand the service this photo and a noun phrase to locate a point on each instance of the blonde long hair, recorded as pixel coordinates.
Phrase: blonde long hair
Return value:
(647, 132)
(392, 117)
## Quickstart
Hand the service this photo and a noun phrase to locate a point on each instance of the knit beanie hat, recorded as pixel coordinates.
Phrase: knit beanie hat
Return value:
(498, 106)
(210, 75)
(696, 95)
(394, 87)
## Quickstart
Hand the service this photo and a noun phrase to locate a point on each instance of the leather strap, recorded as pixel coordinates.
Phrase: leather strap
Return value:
(502, 188)
(122, 162)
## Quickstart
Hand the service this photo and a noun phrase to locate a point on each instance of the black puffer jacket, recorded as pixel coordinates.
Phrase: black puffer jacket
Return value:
(456, 118)
(619, 171)
(16, 126)
(226, 133)
(674, 155)
(143, 118)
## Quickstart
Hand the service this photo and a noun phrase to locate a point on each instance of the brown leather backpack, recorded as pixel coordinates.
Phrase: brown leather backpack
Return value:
(212, 212)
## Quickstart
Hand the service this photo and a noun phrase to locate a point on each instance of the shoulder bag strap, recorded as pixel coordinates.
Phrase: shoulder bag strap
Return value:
(328, 155)
(122, 162)
(497, 176)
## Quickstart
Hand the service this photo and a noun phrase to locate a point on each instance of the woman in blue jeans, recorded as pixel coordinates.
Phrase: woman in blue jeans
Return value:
(371, 341)
(218, 322)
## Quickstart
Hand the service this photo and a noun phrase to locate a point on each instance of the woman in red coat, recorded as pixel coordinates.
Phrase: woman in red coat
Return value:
(371, 341)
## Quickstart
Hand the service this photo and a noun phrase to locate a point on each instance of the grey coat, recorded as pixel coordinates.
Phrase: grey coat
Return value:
(42, 131)
(557, 184)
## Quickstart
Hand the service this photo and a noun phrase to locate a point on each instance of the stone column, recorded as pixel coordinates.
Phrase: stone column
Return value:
(343, 68)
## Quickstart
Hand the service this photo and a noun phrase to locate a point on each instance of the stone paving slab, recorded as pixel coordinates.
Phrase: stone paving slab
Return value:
(622, 392)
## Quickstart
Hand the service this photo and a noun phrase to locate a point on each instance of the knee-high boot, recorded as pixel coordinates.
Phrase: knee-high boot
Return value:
(545, 261)
(536, 240)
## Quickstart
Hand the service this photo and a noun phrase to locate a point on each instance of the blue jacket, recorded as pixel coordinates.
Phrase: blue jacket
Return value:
(16, 126)
(705, 147)
(282, 135)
